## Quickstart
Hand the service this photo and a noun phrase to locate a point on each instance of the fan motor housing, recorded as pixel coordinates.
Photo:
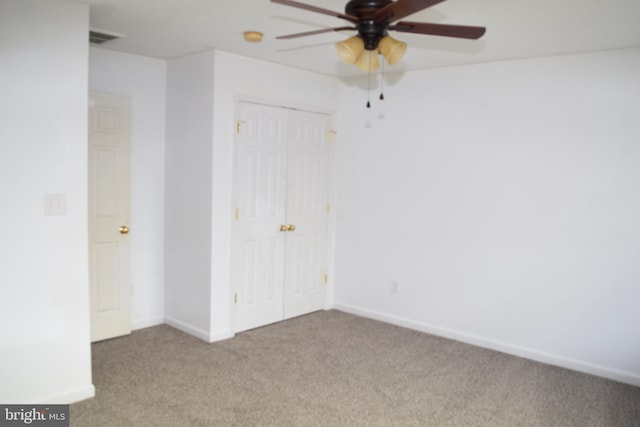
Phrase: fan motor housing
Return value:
(370, 31)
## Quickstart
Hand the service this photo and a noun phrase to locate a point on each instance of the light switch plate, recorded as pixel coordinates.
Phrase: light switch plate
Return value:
(55, 204)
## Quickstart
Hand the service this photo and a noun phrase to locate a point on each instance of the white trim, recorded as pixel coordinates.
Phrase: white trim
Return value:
(147, 323)
(282, 103)
(185, 327)
(197, 332)
(220, 336)
(332, 193)
(70, 396)
(528, 353)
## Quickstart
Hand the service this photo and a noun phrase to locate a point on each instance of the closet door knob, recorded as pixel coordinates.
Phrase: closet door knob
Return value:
(124, 229)
(291, 227)
(284, 228)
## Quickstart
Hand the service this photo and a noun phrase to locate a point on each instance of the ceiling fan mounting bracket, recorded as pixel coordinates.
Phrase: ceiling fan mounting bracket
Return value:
(365, 9)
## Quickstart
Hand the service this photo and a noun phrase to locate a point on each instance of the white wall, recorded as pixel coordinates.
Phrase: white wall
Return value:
(143, 80)
(44, 291)
(188, 193)
(504, 198)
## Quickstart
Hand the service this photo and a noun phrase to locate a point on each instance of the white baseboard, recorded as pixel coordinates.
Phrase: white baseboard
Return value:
(528, 353)
(70, 397)
(197, 332)
(189, 329)
(220, 336)
(146, 323)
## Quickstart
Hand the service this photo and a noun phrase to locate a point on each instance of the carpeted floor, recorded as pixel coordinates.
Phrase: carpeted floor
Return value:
(334, 369)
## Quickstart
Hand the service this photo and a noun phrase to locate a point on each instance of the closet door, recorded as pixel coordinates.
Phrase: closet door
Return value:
(281, 183)
(307, 210)
(260, 191)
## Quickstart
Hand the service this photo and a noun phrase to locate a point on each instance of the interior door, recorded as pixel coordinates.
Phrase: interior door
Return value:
(260, 186)
(281, 182)
(307, 198)
(109, 246)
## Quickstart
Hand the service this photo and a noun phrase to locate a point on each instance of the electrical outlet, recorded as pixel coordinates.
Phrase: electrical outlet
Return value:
(55, 204)
(394, 287)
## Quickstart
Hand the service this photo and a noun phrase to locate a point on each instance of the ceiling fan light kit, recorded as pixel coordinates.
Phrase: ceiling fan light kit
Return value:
(368, 61)
(393, 50)
(350, 49)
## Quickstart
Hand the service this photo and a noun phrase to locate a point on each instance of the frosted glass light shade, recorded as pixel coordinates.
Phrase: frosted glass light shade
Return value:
(393, 50)
(350, 49)
(368, 60)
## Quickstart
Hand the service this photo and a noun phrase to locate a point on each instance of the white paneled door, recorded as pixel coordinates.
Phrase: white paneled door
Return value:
(109, 246)
(307, 210)
(281, 192)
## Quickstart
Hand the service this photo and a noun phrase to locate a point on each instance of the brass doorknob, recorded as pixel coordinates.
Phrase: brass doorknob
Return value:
(283, 227)
(124, 229)
(291, 227)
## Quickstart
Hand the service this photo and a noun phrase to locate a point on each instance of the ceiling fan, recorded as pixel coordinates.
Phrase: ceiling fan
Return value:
(372, 19)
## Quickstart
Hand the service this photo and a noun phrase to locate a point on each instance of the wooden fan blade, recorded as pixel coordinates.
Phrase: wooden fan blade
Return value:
(311, 33)
(401, 8)
(459, 31)
(316, 9)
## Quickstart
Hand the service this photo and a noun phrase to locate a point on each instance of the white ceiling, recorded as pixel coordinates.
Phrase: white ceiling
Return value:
(515, 29)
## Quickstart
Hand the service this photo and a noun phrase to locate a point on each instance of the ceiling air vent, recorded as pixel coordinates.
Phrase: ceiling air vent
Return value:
(99, 37)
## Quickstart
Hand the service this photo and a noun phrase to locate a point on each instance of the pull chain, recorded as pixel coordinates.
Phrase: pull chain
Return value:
(369, 85)
(382, 81)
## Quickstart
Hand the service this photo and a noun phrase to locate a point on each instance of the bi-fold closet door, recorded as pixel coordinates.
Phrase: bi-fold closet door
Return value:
(279, 249)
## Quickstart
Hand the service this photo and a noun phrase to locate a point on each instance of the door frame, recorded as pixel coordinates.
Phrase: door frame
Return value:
(331, 193)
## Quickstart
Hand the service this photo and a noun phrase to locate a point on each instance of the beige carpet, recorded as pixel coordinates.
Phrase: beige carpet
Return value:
(336, 369)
